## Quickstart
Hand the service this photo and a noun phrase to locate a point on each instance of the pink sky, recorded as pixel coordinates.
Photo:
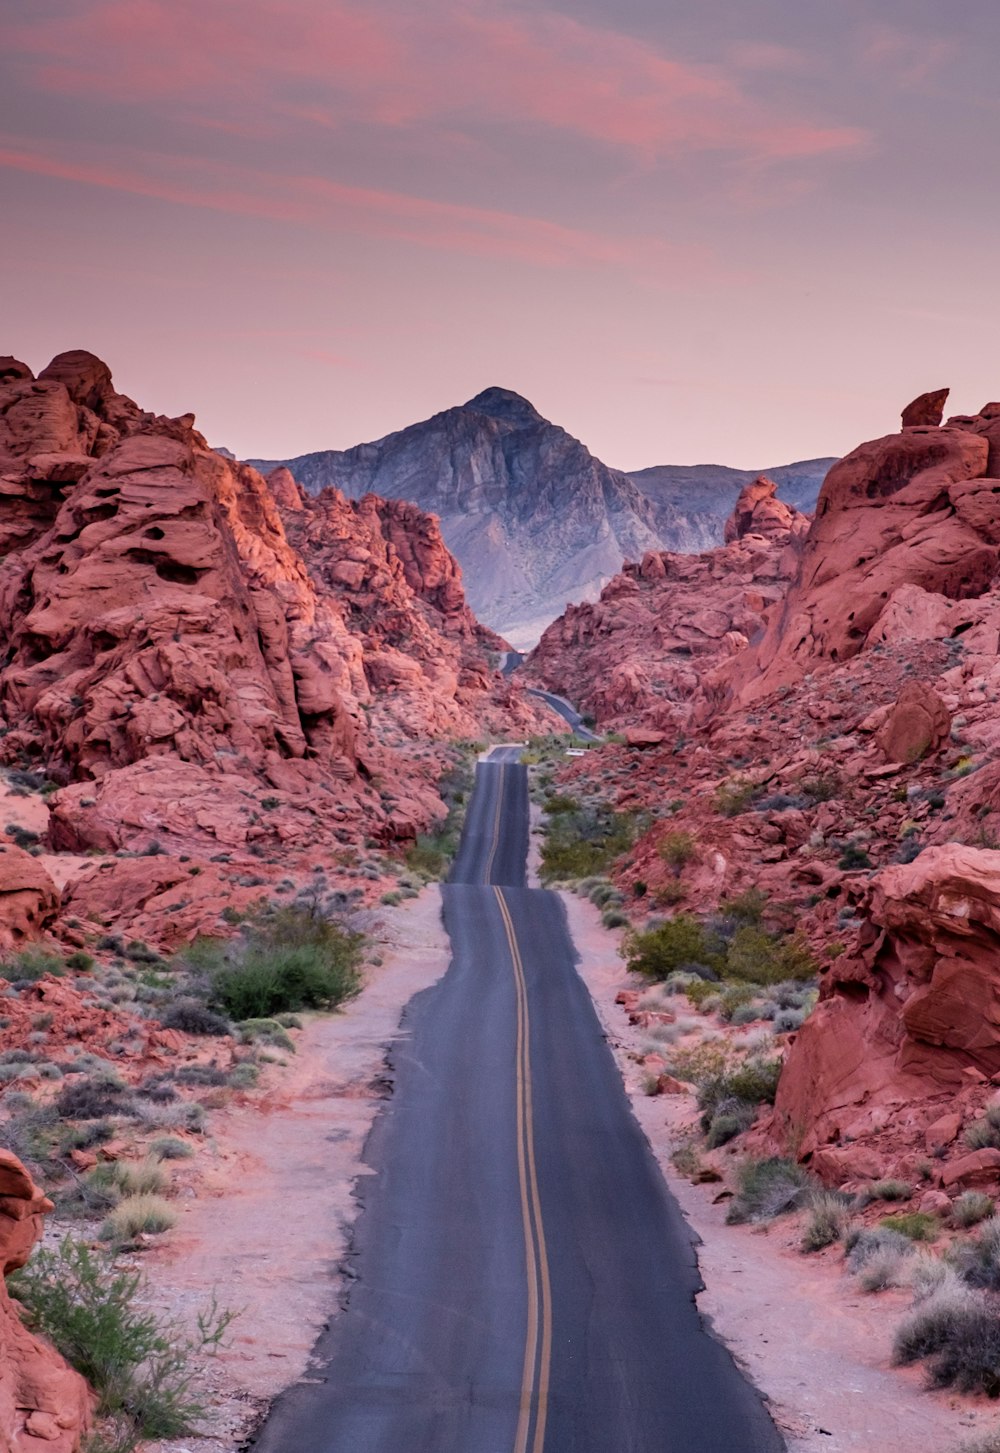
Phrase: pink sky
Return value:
(743, 232)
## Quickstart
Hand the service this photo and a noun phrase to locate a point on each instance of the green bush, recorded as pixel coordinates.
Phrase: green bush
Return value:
(677, 848)
(746, 907)
(290, 961)
(31, 964)
(977, 1258)
(169, 1147)
(735, 796)
(585, 842)
(676, 944)
(763, 958)
(767, 1188)
(917, 1225)
(139, 1367)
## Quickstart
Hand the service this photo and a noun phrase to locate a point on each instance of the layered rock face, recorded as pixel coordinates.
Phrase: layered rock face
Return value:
(161, 628)
(907, 517)
(638, 654)
(534, 518)
(536, 521)
(908, 1027)
(43, 1402)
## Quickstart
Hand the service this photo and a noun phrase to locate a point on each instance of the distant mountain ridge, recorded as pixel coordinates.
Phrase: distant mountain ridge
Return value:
(534, 519)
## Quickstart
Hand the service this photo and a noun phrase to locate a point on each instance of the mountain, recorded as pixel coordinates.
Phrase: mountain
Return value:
(533, 517)
(691, 502)
(536, 521)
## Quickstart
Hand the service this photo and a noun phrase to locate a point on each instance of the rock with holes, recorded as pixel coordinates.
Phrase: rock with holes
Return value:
(42, 1400)
(29, 899)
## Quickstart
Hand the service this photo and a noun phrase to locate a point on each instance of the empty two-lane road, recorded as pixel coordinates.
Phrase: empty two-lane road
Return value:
(524, 1282)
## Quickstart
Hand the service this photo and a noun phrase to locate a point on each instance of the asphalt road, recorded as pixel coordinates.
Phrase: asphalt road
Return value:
(523, 1281)
(566, 710)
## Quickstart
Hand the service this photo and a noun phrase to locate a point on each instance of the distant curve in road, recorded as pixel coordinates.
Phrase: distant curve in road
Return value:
(566, 710)
(523, 1280)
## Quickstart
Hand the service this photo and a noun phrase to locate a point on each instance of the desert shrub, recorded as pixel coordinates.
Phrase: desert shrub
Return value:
(93, 1314)
(866, 1244)
(292, 960)
(853, 858)
(747, 907)
(244, 1075)
(191, 1016)
(787, 1021)
(137, 1215)
(168, 1147)
(92, 1099)
(679, 942)
(729, 1119)
(677, 848)
(764, 958)
(751, 1082)
(734, 997)
(391, 900)
(827, 1221)
(135, 1178)
(586, 842)
(735, 796)
(917, 1225)
(560, 802)
(889, 1189)
(985, 1133)
(747, 1013)
(767, 1188)
(614, 918)
(202, 955)
(209, 1076)
(31, 964)
(971, 1207)
(700, 1064)
(977, 1258)
(267, 1031)
(960, 1333)
(883, 1270)
(80, 961)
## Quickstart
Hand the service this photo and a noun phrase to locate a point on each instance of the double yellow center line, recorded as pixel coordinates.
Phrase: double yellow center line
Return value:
(534, 1401)
(538, 1341)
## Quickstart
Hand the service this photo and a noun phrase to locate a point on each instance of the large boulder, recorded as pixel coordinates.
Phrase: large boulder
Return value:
(43, 1402)
(911, 1019)
(29, 899)
(927, 411)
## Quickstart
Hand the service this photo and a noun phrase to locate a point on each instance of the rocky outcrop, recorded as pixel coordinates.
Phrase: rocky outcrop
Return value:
(639, 654)
(907, 516)
(927, 411)
(28, 897)
(908, 1027)
(170, 617)
(43, 1402)
(535, 520)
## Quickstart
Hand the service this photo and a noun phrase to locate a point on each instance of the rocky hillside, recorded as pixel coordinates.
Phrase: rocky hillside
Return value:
(199, 664)
(535, 520)
(845, 768)
(637, 655)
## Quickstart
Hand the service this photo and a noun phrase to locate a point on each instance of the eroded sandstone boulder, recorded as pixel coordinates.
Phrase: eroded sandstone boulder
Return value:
(29, 899)
(927, 410)
(911, 1019)
(43, 1402)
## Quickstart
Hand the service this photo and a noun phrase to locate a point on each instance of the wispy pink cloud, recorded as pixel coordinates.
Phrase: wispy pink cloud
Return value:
(316, 200)
(907, 58)
(393, 64)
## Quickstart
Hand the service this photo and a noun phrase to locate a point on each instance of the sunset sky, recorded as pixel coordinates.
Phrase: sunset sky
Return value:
(741, 231)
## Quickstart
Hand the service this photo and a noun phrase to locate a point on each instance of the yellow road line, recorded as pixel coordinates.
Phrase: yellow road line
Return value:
(496, 828)
(537, 1364)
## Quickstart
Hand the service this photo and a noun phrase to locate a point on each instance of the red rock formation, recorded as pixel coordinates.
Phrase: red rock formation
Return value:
(758, 511)
(28, 897)
(639, 654)
(162, 628)
(43, 1402)
(927, 411)
(915, 510)
(908, 1027)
